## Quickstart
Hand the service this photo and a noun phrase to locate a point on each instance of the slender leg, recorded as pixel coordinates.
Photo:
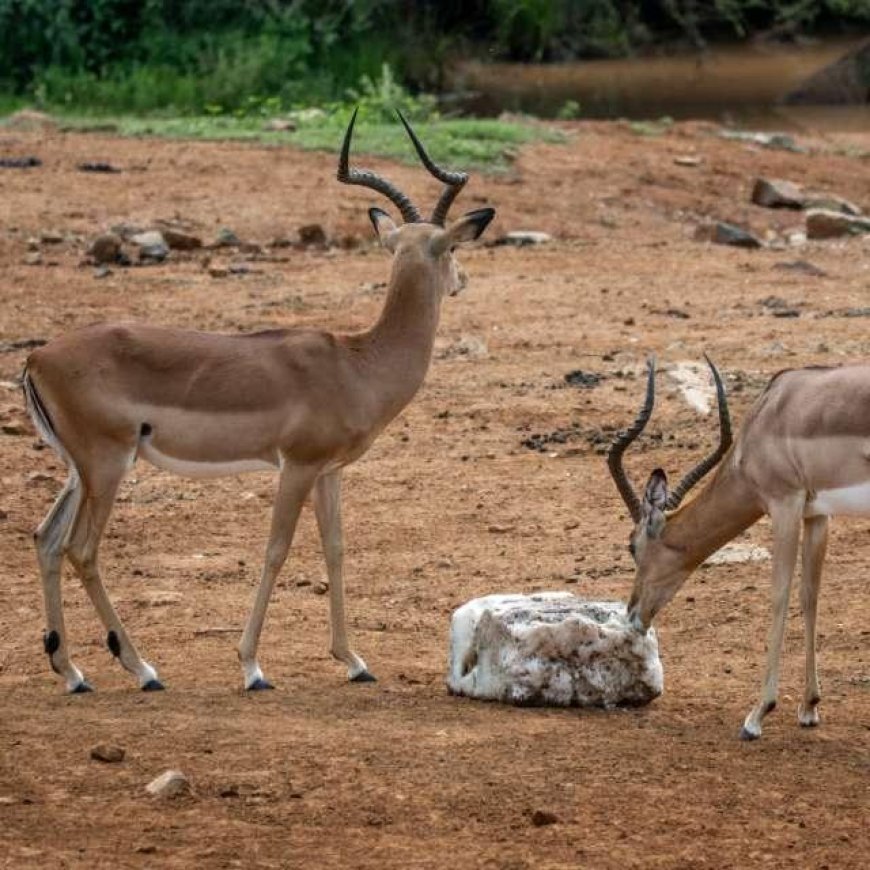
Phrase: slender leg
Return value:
(293, 486)
(815, 546)
(50, 539)
(327, 507)
(83, 547)
(786, 521)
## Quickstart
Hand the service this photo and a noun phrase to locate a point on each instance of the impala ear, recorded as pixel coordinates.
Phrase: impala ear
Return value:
(468, 228)
(386, 230)
(655, 498)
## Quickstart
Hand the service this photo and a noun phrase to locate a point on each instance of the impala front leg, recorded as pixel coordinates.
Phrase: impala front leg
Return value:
(814, 548)
(327, 507)
(293, 486)
(786, 521)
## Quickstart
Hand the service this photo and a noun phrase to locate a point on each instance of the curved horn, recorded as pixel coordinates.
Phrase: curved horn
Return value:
(455, 181)
(710, 462)
(619, 446)
(365, 178)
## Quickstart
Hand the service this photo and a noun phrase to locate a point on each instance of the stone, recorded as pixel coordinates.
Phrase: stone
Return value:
(541, 818)
(51, 237)
(312, 235)
(218, 271)
(824, 224)
(279, 125)
(832, 202)
(97, 166)
(19, 162)
(551, 648)
(108, 753)
(226, 238)
(33, 258)
(736, 553)
(106, 248)
(687, 160)
(170, 784)
(320, 588)
(181, 241)
(776, 193)
(152, 245)
(522, 238)
(728, 234)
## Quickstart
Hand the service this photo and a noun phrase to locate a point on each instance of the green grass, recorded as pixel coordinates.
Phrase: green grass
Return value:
(482, 144)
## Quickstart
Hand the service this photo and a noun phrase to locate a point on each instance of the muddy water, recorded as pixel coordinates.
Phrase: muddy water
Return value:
(743, 84)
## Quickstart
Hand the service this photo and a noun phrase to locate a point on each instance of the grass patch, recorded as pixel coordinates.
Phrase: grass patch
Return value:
(474, 143)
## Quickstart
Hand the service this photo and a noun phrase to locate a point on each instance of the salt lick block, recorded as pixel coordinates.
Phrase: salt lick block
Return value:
(554, 649)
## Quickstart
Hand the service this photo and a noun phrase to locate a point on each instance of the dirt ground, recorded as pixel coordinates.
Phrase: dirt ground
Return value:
(447, 505)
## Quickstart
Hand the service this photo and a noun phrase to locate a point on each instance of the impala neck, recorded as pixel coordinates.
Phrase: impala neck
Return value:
(398, 348)
(722, 510)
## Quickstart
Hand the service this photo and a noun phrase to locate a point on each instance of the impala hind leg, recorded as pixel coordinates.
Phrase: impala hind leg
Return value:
(327, 507)
(100, 490)
(50, 539)
(786, 522)
(293, 486)
(815, 546)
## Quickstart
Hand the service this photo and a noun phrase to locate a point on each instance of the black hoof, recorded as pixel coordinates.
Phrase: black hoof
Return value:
(259, 685)
(153, 686)
(83, 687)
(364, 677)
(748, 735)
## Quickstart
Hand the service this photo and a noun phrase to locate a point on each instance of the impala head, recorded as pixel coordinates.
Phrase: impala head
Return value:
(661, 567)
(430, 243)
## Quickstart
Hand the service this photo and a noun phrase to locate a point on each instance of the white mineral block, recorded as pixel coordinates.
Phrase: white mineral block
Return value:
(551, 648)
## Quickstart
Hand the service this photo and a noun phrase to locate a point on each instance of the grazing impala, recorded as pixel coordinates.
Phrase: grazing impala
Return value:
(300, 401)
(802, 456)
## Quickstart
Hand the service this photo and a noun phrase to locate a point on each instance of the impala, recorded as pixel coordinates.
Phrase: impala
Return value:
(802, 456)
(300, 401)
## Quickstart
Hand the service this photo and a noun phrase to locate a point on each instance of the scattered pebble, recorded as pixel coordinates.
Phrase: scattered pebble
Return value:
(320, 588)
(824, 224)
(777, 193)
(522, 238)
(226, 238)
(541, 818)
(108, 753)
(152, 246)
(19, 162)
(181, 241)
(312, 235)
(106, 248)
(171, 784)
(97, 166)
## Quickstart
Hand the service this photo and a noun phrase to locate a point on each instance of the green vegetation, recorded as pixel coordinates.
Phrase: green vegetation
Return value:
(230, 57)
(465, 143)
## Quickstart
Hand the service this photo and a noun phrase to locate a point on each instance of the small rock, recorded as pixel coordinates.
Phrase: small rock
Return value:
(19, 162)
(312, 235)
(11, 429)
(50, 237)
(108, 753)
(226, 238)
(126, 231)
(824, 224)
(279, 125)
(239, 268)
(830, 202)
(181, 241)
(729, 234)
(521, 238)
(152, 245)
(171, 784)
(802, 266)
(106, 248)
(687, 160)
(320, 588)
(468, 346)
(97, 166)
(540, 818)
(34, 258)
(218, 271)
(579, 378)
(776, 193)
(33, 244)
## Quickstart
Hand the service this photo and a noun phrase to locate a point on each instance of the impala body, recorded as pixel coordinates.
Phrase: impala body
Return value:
(299, 401)
(802, 456)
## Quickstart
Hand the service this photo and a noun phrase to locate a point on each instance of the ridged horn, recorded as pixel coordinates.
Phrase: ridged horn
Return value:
(624, 439)
(725, 439)
(454, 181)
(366, 178)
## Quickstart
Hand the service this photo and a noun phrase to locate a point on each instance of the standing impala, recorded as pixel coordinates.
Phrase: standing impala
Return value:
(300, 401)
(802, 456)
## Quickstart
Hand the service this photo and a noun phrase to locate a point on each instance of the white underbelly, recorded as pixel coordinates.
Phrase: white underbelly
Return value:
(845, 501)
(192, 468)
